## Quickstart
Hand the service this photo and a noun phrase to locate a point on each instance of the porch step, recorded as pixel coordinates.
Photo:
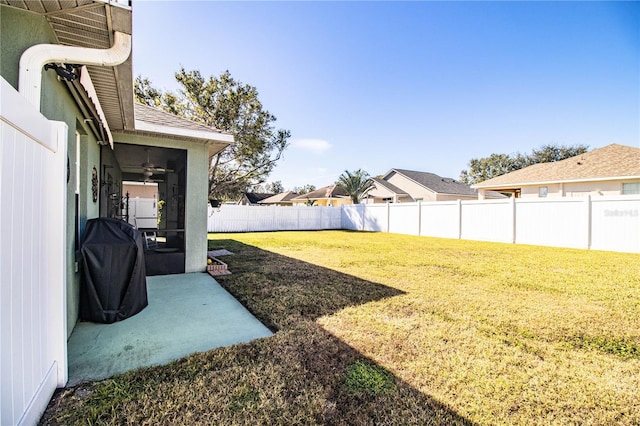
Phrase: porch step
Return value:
(217, 267)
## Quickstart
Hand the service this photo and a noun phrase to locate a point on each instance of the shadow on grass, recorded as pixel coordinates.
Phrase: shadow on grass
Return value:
(288, 295)
(301, 375)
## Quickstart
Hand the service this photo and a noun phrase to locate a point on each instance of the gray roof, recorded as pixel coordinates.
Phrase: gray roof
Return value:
(159, 117)
(389, 186)
(256, 197)
(283, 197)
(436, 183)
(608, 162)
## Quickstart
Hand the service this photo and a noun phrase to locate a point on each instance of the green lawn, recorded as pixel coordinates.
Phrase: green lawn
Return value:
(375, 328)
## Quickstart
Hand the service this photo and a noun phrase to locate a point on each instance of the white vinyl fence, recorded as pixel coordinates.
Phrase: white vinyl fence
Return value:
(602, 223)
(231, 218)
(33, 332)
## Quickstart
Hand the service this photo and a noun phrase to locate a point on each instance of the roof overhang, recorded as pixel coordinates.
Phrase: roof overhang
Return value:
(92, 24)
(215, 141)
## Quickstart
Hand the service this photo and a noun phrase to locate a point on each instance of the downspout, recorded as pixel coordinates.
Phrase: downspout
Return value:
(34, 59)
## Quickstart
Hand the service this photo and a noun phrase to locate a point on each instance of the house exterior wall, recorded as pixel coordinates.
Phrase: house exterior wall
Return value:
(451, 197)
(417, 192)
(577, 189)
(21, 30)
(381, 195)
(325, 202)
(197, 191)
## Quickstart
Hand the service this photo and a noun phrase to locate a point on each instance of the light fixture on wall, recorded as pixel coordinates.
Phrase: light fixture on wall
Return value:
(66, 72)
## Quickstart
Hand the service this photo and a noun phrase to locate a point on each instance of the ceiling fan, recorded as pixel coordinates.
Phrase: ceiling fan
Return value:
(149, 169)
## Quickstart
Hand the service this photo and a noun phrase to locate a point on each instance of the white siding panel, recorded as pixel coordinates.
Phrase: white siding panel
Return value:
(559, 222)
(610, 223)
(487, 220)
(440, 219)
(404, 218)
(352, 218)
(615, 224)
(376, 217)
(232, 218)
(32, 264)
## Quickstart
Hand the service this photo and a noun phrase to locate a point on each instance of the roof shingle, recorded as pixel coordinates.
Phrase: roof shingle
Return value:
(157, 116)
(331, 191)
(608, 162)
(437, 183)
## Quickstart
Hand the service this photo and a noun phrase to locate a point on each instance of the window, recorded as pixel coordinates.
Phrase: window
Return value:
(631, 188)
(543, 191)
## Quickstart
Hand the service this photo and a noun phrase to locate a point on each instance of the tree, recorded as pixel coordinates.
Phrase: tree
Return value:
(356, 184)
(304, 189)
(481, 169)
(145, 93)
(269, 188)
(233, 107)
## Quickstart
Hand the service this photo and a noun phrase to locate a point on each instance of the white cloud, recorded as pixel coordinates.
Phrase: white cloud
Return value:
(317, 146)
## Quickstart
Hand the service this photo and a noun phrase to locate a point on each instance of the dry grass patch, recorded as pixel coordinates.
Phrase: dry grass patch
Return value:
(391, 329)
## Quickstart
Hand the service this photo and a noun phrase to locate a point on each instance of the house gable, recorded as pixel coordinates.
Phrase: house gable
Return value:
(602, 171)
(423, 186)
(332, 195)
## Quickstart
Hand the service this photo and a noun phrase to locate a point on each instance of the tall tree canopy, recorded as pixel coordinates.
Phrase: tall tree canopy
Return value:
(304, 189)
(231, 106)
(356, 184)
(481, 169)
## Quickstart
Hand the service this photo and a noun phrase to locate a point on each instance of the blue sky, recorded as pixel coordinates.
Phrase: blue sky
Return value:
(415, 85)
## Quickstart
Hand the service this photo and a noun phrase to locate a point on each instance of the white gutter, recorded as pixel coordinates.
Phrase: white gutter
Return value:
(85, 81)
(34, 59)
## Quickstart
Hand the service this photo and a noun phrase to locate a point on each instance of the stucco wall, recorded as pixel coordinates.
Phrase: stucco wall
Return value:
(197, 189)
(578, 189)
(416, 191)
(21, 30)
(449, 197)
(335, 202)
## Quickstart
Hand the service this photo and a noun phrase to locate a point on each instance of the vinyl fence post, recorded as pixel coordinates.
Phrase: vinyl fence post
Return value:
(419, 218)
(388, 217)
(459, 202)
(589, 220)
(513, 219)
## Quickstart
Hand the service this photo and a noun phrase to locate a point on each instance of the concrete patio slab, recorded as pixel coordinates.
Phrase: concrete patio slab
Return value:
(187, 313)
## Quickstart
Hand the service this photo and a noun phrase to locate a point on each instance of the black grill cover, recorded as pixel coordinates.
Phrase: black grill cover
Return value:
(114, 285)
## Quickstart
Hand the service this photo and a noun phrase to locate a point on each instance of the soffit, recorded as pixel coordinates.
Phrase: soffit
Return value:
(91, 23)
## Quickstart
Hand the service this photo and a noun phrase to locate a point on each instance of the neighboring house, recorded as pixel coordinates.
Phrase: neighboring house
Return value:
(252, 198)
(328, 196)
(611, 170)
(282, 199)
(68, 65)
(402, 186)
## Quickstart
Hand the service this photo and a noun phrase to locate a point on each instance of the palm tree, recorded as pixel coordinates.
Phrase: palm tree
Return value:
(356, 184)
